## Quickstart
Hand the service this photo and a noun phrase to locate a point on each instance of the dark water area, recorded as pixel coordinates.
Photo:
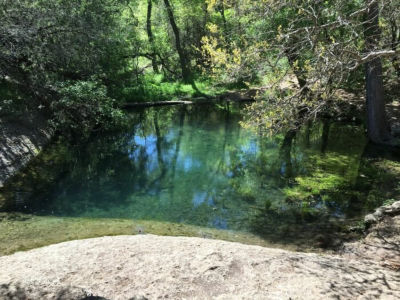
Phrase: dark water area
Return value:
(196, 165)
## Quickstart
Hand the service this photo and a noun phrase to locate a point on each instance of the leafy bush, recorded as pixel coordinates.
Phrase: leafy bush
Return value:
(84, 107)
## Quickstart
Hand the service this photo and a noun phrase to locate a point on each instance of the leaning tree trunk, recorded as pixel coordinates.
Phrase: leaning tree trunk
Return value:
(377, 124)
(292, 53)
(186, 74)
(150, 36)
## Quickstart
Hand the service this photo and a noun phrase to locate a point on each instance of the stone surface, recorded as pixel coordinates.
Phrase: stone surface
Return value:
(370, 219)
(19, 142)
(382, 242)
(381, 212)
(153, 267)
(41, 291)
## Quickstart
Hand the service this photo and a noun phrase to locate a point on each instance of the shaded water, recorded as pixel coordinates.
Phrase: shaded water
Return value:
(198, 166)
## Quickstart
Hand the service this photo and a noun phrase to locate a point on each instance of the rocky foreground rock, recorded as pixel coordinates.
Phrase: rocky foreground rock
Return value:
(154, 267)
(382, 241)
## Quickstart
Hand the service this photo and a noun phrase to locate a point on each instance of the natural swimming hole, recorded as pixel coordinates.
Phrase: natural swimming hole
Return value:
(196, 166)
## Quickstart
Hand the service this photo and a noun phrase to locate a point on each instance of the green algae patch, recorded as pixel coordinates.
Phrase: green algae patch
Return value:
(20, 232)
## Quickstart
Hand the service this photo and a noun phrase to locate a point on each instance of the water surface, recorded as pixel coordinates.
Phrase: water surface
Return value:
(196, 165)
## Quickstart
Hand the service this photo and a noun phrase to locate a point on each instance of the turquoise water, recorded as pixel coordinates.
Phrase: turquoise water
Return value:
(198, 166)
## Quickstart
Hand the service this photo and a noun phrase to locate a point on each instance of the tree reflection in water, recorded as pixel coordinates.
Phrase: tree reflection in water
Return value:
(196, 165)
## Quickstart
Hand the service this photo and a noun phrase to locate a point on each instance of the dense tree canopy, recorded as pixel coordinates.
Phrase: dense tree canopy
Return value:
(303, 51)
(43, 42)
(323, 45)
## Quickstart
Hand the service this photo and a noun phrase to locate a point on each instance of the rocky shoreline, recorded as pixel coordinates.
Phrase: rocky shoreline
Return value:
(382, 240)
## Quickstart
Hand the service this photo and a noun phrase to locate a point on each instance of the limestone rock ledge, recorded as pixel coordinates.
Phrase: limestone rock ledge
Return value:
(154, 267)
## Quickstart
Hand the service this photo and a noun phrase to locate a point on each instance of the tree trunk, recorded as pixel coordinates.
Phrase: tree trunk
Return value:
(285, 154)
(395, 44)
(308, 133)
(221, 9)
(150, 36)
(292, 54)
(325, 135)
(186, 74)
(377, 124)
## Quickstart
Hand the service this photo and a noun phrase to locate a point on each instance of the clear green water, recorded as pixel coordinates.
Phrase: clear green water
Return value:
(198, 166)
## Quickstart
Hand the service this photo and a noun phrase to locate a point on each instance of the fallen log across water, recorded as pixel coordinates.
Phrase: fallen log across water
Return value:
(158, 103)
(237, 96)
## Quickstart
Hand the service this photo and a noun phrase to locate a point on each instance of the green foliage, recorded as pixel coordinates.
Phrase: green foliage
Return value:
(85, 107)
(322, 42)
(154, 87)
(284, 45)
